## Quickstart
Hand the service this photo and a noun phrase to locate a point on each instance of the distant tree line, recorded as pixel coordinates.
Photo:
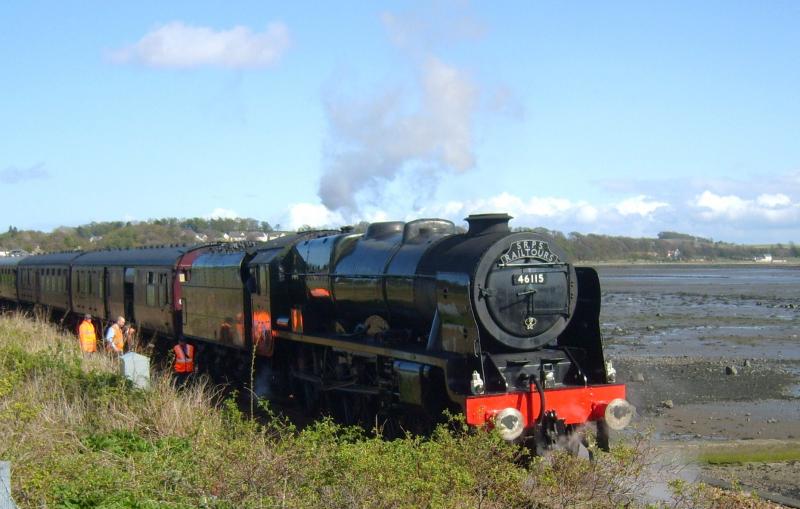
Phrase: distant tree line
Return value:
(121, 234)
(667, 246)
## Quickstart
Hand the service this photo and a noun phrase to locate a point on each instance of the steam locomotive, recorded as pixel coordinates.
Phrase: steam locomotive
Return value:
(404, 321)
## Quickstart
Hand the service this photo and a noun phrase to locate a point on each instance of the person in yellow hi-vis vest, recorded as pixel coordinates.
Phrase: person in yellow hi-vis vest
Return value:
(115, 337)
(87, 335)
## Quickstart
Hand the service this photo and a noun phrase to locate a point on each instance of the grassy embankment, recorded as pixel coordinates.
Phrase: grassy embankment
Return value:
(79, 436)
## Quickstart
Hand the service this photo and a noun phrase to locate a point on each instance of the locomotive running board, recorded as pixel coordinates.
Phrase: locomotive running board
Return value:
(370, 348)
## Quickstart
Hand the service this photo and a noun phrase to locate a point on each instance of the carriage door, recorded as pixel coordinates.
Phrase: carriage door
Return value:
(106, 293)
(130, 278)
(37, 286)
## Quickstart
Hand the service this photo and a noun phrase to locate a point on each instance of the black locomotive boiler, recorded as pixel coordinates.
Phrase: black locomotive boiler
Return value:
(402, 322)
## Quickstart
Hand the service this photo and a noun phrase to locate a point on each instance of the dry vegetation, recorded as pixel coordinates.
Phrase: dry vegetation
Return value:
(79, 436)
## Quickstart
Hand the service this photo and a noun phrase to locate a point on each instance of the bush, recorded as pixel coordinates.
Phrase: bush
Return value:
(79, 436)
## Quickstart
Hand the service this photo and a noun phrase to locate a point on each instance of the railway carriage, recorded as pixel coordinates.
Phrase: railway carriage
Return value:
(44, 280)
(139, 284)
(8, 277)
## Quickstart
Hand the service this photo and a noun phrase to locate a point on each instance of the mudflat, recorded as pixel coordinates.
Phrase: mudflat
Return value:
(711, 357)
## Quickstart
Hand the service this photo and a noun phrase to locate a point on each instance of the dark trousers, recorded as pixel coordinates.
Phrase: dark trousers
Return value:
(181, 379)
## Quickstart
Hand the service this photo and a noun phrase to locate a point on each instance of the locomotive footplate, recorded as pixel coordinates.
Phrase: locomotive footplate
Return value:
(572, 405)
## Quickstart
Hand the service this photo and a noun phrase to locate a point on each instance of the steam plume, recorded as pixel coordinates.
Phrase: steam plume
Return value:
(373, 141)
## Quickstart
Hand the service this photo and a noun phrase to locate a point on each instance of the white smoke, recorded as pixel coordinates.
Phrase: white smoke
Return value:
(373, 141)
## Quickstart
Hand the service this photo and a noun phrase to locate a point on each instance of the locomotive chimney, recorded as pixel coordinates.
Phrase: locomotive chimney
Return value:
(480, 224)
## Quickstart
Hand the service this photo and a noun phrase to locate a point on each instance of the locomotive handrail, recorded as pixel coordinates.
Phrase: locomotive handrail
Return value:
(530, 264)
(438, 359)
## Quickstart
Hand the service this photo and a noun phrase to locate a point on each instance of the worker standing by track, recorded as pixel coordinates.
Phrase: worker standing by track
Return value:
(115, 337)
(87, 335)
(183, 366)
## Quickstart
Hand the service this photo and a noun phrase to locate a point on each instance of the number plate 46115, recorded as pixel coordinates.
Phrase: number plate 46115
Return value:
(535, 278)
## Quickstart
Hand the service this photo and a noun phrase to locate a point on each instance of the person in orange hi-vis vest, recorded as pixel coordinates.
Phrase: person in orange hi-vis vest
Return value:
(184, 361)
(115, 337)
(87, 335)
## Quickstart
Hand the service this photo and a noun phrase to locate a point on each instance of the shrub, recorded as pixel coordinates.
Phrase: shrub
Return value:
(79, 436)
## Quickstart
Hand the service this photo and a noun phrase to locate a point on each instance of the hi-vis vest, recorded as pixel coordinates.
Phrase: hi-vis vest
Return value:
(119, 340)
(87, 336)
(184, 361)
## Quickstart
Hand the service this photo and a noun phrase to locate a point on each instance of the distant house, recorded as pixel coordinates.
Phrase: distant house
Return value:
(94, 239)
(259, 236)
(767, 258)
(277, 235)
(253, 236)
(674, 254)
(235, 236)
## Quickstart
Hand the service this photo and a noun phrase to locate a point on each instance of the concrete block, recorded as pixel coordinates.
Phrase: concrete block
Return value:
(136, 368)
(6, 502)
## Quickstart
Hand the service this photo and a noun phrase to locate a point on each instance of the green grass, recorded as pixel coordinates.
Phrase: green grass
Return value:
(79, 436)
(717, 455)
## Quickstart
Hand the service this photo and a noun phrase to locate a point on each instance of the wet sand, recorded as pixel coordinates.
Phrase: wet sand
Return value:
(711, 355)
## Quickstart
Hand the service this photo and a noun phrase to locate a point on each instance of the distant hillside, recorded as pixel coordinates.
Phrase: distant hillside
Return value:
(119, 234)
(668, 246)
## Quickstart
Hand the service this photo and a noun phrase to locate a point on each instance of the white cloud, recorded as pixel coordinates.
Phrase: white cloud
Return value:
(639, 205)
(309, 214)
(773, 200)
(220, 213)
(180, 46)
(713, 205)
(533, 211)
(776, 208)
(766, 218)
(587, 213)
(14, 175)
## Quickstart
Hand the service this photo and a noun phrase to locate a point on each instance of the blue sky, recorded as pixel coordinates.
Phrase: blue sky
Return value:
(616, 117)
